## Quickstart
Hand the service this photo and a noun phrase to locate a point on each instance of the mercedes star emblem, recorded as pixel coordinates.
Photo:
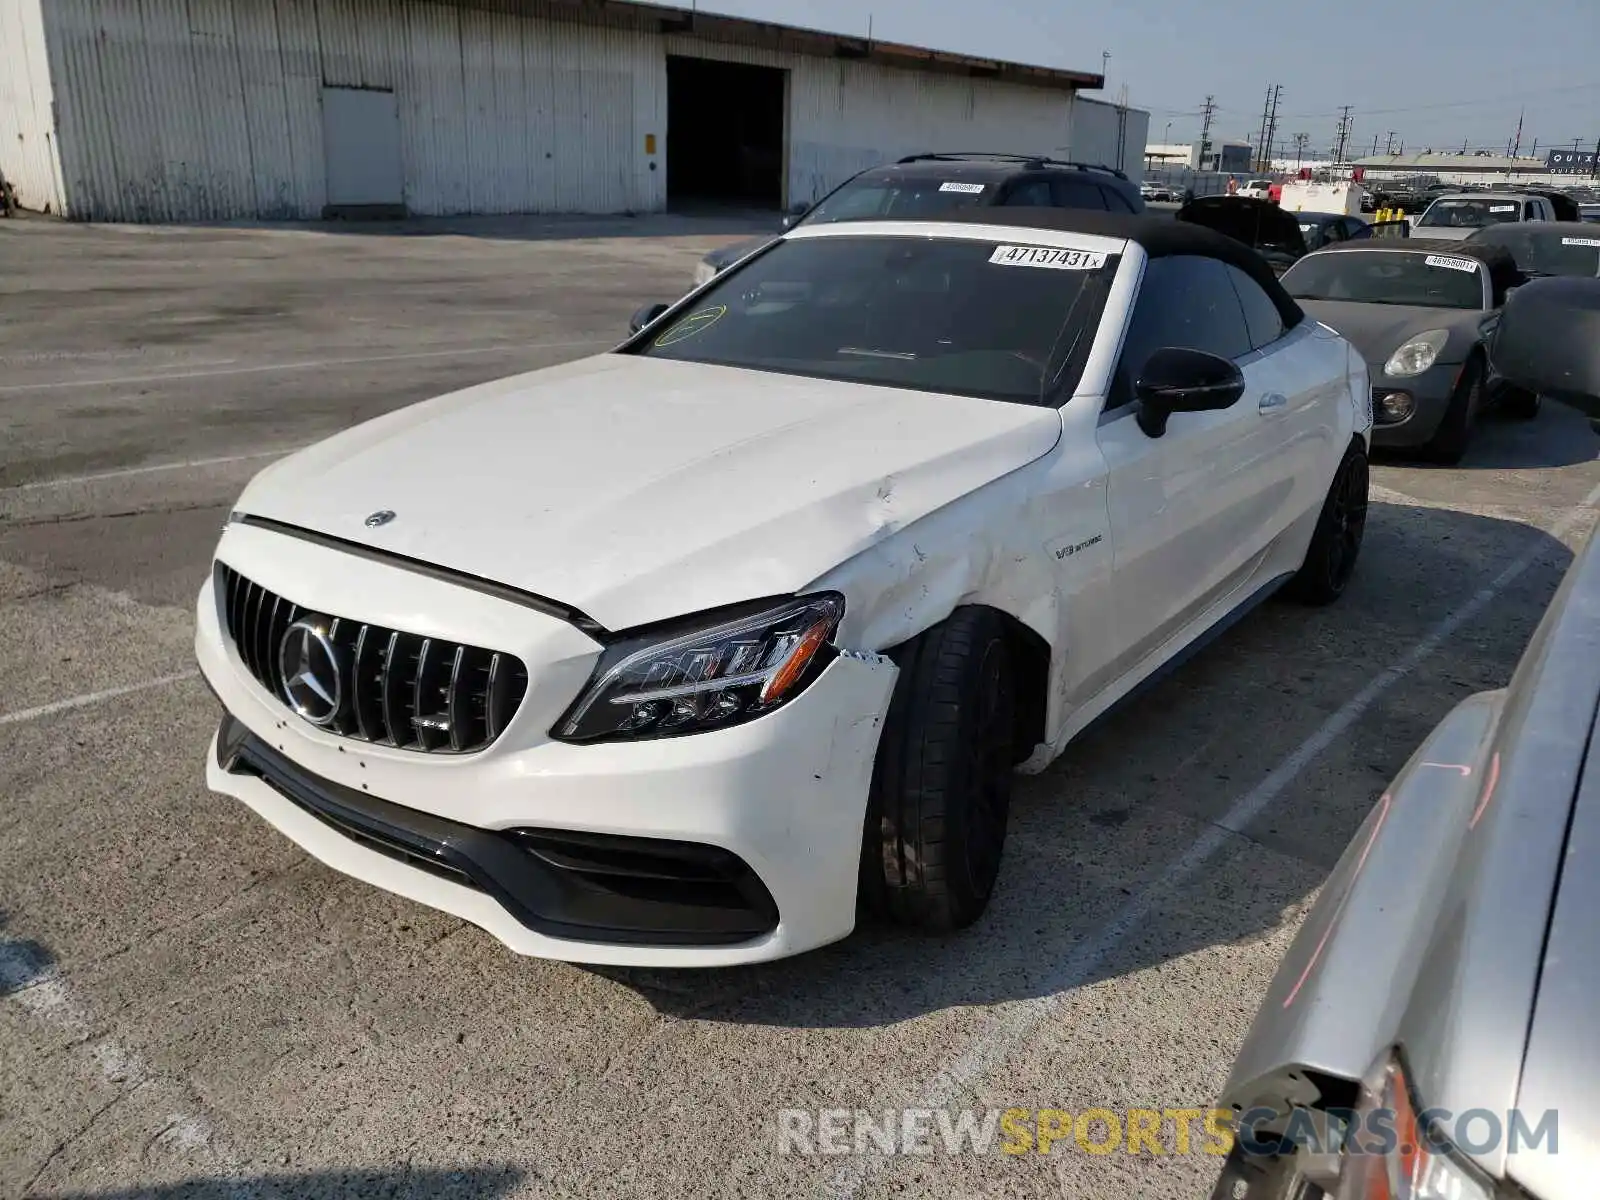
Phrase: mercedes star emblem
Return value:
(382, 517)
(309, 663)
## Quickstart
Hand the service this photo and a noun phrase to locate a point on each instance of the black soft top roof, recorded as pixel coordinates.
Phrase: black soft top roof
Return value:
(1159, 236)
(1496, 259)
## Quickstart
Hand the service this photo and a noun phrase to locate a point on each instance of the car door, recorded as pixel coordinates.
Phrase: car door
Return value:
(1192, 511)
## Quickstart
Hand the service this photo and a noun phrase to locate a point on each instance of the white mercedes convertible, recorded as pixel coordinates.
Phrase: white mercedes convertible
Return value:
(690, 652)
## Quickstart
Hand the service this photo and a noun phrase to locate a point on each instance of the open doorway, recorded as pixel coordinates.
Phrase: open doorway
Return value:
(724, 133)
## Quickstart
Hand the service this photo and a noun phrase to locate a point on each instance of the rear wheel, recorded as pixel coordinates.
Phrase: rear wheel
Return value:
(1450, 440)
(1336, 544)
(941, 792)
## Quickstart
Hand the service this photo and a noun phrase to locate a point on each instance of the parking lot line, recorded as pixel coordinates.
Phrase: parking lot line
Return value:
(303, 365)
(125, 472)
(1015, 1020)
(45, 710)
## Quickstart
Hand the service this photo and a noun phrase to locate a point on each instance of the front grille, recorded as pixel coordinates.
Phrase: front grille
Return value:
(396, 689)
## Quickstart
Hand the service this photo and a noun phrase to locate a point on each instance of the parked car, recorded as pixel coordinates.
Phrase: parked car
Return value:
(1256, 189)
(1589, 214)
(688, 647)
(1454, 217)
(1546, 247)
(1326, 229)
(1420, 312)
(1155, 191)
(924, 186)
(1449, 967)
(1271, 231)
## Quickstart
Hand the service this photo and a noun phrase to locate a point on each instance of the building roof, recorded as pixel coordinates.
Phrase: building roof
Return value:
(770, 35)
(1452, 162)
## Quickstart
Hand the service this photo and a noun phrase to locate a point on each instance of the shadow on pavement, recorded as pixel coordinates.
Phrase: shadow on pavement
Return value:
(393, 1183)
(1189, 748)
(22, 962)
(1559, 437)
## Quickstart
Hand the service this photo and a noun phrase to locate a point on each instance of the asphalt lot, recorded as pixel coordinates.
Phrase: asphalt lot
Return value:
(190, 1006)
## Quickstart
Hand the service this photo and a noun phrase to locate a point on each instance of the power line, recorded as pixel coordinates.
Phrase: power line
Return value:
(1208, 108)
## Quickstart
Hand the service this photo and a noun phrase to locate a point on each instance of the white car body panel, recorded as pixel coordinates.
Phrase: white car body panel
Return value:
(635, 489)
(638, 489)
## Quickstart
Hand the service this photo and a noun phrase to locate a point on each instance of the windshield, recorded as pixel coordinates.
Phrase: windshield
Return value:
(1388, 277)
(977, 318)
(1469, 214)
(901, 199)
(1540, 250)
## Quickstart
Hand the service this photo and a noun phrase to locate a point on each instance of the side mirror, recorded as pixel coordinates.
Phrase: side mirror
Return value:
(1548, 338)
(1176, 379)
(645, 315)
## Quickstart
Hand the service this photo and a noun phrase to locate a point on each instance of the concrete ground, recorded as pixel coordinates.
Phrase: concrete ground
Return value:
(191, 1006)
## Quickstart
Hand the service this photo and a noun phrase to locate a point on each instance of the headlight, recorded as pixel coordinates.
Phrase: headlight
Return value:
(1397, 1155)
(719, 670)
(704, 273)
(1417, 355)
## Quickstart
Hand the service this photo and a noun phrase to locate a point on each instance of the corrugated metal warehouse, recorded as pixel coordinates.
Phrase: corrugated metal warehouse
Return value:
(181, 110)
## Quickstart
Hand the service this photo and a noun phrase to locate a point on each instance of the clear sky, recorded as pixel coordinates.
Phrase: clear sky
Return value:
(1434, 73)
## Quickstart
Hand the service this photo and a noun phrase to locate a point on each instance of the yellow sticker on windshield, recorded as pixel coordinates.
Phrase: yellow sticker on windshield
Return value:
(695, 322)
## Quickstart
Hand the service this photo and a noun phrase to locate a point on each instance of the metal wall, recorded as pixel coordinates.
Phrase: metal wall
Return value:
(27, 136)
(846, 116)
(1104, 133)
(175, 110)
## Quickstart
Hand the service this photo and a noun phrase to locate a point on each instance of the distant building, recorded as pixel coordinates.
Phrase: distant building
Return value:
(1231, 157)
(1466, 169)
(169, 110)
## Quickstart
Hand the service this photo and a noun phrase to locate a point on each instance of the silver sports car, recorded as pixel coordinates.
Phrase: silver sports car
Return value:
(1432, 1032)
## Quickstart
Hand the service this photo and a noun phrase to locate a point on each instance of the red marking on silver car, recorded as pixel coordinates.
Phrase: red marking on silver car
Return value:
(1383, 815)
(1462, 767)
(1488, 790)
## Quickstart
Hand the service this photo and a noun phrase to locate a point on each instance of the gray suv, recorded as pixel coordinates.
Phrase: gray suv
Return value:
(928, 185)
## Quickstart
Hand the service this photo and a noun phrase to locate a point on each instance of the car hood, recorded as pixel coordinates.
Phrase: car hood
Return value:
(635, 489)
(1378, 330)
(1257, 223)
(724, 257)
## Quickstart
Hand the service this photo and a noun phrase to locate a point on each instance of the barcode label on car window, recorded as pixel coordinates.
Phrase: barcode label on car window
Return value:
(1455, 264)
(966, 189)
(1048, 256)
(1502, 208)
(1580, 241)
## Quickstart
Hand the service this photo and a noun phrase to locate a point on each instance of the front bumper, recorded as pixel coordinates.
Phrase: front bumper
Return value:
(760, 825)
(1431, 391)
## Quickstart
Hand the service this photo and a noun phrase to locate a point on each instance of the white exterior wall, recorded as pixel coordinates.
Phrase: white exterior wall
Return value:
(845, 116)
(176, 110)
(27, 132)
(1095, 131)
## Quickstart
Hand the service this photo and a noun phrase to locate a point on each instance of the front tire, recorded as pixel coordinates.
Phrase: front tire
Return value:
(941, 790)
(1336, 544)
(1450, 440)
(1521, 404)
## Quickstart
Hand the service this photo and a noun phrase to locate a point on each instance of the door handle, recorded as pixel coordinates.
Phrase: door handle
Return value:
(1272, 401)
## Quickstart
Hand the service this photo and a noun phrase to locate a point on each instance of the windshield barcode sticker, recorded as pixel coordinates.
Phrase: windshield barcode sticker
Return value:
(1502, 208)
(1455, 264)
(1048, 256)
(1580, 241)
(966, 189)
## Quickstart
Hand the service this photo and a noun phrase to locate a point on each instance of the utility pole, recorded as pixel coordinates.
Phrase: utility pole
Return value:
(1594, 167)
(1389, 145)
(1272, 125)
(1269, 126)
(1344, 134)
(1300, 140)
(1374, 144)
(1206, 112)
